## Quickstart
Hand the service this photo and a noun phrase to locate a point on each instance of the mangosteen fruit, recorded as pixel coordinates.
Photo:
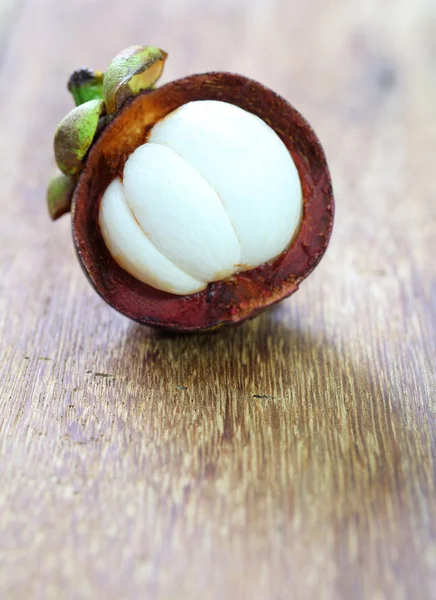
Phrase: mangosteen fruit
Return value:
(196, 204)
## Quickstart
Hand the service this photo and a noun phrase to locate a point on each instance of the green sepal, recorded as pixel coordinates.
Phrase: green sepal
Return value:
(75, 134)
(133, 70)
(59, 195)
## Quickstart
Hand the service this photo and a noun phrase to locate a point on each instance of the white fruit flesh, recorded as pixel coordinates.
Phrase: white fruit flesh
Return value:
(214, 191)
(249, 167)
(181, 213)
(133, 250)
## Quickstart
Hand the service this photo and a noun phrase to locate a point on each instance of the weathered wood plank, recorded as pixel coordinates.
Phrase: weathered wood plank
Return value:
(294, 456)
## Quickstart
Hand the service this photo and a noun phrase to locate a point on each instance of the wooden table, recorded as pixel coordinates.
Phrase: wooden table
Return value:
(294, 457)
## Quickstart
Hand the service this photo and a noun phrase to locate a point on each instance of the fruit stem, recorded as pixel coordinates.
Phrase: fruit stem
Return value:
(85, 84)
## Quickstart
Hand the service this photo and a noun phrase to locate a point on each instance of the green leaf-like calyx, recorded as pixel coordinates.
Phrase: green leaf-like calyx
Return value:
(97, 96)
(59, 195)
(134, 69)
(75, 134)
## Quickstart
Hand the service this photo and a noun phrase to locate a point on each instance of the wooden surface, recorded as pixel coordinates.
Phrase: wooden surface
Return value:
(294, 457)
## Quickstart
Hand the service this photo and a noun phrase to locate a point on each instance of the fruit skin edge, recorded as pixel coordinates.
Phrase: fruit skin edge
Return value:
(243, 296)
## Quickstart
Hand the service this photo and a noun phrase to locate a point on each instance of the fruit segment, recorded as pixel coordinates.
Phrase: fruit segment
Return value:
(180, 212)
(133, 250)
(249, 167)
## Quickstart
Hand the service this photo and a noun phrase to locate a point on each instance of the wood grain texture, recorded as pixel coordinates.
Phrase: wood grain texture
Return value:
(294, 457)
